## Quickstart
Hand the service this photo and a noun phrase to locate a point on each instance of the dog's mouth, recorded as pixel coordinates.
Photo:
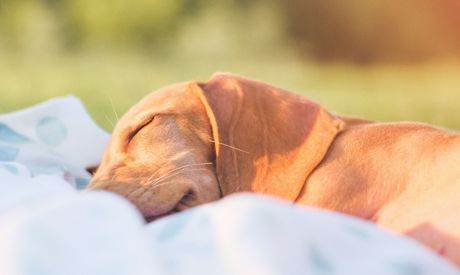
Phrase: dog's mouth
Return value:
(154, 218)
(184, 202)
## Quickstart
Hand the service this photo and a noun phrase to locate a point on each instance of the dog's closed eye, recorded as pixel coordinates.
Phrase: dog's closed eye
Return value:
(144, 122)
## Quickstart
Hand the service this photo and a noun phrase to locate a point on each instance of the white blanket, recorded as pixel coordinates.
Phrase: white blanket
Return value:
(47, 227)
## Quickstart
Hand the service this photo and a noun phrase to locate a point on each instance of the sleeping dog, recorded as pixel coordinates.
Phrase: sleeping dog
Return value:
(195, 142)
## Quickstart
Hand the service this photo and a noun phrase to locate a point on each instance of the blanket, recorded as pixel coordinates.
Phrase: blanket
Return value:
(50, 225)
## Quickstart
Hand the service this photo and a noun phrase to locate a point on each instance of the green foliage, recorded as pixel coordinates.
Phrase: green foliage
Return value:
(119, 50)
(27, 25)
(120, 23)
(105, 24)
(358, 30)
(146, 25)
(428, 93)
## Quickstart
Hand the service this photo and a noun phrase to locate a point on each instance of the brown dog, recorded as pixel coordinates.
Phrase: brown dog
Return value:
(193, 143)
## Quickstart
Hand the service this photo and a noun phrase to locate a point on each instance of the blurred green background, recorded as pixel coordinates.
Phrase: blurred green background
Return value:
(383, 60)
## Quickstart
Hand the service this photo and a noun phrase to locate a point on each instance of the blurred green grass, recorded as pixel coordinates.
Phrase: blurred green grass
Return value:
(428, 92)
(54, 48)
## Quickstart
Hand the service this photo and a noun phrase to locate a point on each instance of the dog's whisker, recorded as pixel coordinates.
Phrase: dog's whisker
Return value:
(112, 124)
(113, 107)
(154, 174)
(161, 183)
(176, 173)
(177, 169)
(229, 146)
(169, 174)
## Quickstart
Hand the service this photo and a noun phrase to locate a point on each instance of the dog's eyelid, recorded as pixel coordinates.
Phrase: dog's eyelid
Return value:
(144, 122)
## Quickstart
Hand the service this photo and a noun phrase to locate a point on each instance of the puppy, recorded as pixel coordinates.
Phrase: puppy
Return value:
(194, 143)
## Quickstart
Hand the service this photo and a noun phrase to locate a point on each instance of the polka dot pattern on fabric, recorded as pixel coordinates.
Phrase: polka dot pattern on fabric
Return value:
(8, 153)
(51, 131)
(36, 170)
(81, 183)
(319, 261)
(10, 136)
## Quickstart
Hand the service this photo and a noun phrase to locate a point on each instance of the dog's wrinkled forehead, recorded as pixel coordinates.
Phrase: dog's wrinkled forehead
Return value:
(171, 100)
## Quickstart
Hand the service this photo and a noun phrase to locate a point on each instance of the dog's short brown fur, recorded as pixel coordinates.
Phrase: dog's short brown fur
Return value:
(193, 143)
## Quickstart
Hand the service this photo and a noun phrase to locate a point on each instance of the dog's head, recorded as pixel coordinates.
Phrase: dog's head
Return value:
(193, 143)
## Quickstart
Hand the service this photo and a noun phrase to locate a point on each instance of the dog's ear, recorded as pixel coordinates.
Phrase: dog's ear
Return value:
(267, 140)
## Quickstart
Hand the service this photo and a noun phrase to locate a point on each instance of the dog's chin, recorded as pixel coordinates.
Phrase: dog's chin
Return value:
(154, 213)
